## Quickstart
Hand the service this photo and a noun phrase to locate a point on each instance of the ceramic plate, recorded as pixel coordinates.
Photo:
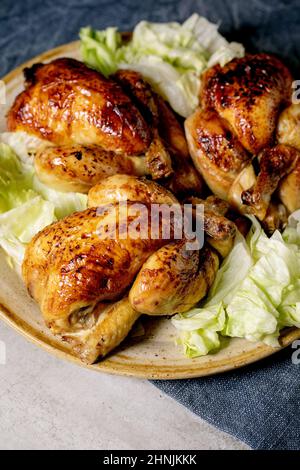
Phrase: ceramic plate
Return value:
(153, 355)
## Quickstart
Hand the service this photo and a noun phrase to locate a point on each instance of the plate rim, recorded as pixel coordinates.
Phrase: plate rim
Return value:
(108, 365)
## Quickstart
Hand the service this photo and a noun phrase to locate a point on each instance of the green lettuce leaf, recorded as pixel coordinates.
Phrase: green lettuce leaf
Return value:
(15, 181)
(99, 49)
(64, 203)
(258, 286)
(199, 329)
(26, 204)
(18, 226)
(171, 56)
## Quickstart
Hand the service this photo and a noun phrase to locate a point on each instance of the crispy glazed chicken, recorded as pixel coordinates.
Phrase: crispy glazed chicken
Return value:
(216, 151)
(233, 140)
(83, 260)
(67, 103)
(79, 167)
(249, 93)
(76, 108)
(120, 188)
(172, 279)
(81, 269)
(91, 275)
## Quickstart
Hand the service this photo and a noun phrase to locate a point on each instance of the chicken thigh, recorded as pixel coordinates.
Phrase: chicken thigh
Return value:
(232, 137)
(216, 151)
(249, 93)
(173, 279)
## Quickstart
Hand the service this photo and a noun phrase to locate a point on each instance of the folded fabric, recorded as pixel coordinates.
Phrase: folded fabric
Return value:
(259, 404)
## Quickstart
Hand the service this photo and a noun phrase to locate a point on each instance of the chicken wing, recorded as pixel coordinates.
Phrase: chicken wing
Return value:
(80, 167)
(157, 156)
(173, 280)
(120, 188)
(276, 218)
(249, 93)
(168, 154)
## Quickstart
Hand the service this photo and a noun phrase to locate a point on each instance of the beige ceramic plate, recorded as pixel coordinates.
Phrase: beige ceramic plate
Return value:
(153, 355)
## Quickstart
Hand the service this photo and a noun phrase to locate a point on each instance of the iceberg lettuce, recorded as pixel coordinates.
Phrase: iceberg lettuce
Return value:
(26, 204)
(15, 181)
(258, 286)
(199, 329)
(18, 226)
(171, 56)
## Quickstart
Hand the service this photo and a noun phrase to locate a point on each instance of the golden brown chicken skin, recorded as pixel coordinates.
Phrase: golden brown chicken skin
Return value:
(219, 230)
(70, 105)
(78, 267)
(96, 334)
(289, 189)
(173, 279)
(81, 269)
(168, 154)
(120, 188)
(66, 102)
(79, 167)
(141, 94)
(240, 107)
(249, 94)
(216, 151)
(82, 260)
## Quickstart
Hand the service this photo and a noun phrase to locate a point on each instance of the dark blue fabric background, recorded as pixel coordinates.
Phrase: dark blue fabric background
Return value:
(261, 403)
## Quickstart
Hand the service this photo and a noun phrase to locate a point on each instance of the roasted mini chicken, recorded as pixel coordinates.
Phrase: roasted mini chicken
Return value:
(86, 259)
(67, 103)
(233, 142)
(249, 94)
(93, 121)
(81, 269)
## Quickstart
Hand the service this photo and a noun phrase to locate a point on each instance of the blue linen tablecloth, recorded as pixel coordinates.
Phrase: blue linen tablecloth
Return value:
(259, 404)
